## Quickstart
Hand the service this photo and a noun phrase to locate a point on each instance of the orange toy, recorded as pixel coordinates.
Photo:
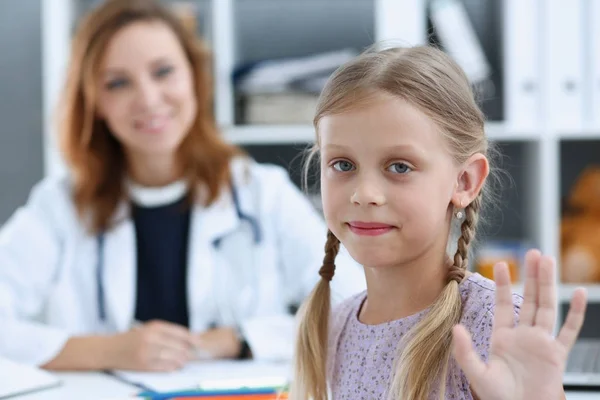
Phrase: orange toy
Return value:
(580, 230)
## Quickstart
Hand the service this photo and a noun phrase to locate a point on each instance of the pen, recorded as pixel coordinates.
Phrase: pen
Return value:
(140, 386)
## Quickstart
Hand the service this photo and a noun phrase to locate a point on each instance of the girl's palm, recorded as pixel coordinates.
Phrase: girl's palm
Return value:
(526, 361)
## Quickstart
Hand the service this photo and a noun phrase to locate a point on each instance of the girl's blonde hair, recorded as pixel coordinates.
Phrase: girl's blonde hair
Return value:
(430, 80)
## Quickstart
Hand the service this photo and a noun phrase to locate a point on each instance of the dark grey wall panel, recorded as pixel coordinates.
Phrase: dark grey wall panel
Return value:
(21, 113)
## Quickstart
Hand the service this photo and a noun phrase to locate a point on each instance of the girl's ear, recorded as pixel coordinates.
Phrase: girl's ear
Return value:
(470, 180)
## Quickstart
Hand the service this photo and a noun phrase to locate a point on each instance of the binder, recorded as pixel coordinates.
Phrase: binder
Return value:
(593, 64)
(457, 35)
(401, 23)
(566, 30)
(522, 32)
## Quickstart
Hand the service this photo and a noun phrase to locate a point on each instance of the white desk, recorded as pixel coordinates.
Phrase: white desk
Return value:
(583, 395)
(97, 386)
(85, 386)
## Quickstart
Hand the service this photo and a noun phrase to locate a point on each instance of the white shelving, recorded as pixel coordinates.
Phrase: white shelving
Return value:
(224, 62)
(585, 133)
(404, 22)
(269, 134)
(57, 16)
(566, 292)
(498, 131)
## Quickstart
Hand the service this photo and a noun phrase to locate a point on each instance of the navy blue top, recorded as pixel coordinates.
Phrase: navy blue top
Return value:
(162, 234)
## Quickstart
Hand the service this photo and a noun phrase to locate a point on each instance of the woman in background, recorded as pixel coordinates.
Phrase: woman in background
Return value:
(164, 243)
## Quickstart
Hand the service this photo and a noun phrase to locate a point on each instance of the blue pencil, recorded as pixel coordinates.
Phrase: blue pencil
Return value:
(207, 393)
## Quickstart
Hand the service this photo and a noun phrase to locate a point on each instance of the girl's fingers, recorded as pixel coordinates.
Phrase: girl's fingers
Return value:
(545, 316)
(574, 321)
(465, 355)
(504, 309)
(530, 303)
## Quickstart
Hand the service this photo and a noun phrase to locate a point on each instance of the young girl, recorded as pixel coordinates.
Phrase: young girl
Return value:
(404, 165)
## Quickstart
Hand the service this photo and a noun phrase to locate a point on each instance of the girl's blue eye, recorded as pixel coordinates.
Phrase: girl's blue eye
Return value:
(116, 84)
(399, 168)
(343, 166)
(163, 71)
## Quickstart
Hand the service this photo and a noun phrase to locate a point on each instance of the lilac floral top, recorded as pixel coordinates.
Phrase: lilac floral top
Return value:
(361, 356)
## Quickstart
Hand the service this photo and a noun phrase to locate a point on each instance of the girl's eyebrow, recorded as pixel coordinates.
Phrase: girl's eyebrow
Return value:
(409, 148)
(406, 150)
(333, 146)
(403, 147)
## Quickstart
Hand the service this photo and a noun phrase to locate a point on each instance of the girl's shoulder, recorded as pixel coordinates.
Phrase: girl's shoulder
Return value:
(340, 314)
(479, 299)
(342, 311)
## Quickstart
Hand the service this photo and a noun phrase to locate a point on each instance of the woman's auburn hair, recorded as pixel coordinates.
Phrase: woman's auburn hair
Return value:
(93, 155)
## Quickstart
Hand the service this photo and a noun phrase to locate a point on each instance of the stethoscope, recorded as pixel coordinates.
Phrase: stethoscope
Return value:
(252, 222)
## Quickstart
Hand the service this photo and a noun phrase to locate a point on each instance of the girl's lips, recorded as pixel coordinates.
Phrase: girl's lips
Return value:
(369, 228)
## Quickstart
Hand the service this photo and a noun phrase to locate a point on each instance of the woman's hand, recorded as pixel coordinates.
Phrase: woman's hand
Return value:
(526, 362)
(218, 343)
(153, 346)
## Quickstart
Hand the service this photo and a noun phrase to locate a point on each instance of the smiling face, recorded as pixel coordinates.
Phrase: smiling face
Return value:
(387, 181)
(146, 89)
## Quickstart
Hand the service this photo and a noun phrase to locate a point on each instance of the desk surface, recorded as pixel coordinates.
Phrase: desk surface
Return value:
(98, 386)
(85, 386)
(583, 395)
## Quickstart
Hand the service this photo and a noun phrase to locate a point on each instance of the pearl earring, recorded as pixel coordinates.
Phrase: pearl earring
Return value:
(459, 214)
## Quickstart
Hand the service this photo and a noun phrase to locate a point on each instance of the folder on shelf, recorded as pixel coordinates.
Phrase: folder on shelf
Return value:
(280, 75)
(401, 23)
(565, 37)
(522, 64)
(592, 47)
(280, 108)
(457, 35)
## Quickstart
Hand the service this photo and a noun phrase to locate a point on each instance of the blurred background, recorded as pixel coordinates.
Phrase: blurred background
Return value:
(534, 64)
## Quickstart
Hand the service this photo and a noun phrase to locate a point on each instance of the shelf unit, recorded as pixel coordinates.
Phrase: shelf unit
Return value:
(539, 136)
(565, 292)
(268, 134)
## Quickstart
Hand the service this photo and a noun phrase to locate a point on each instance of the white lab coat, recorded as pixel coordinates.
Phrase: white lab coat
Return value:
(48, 266)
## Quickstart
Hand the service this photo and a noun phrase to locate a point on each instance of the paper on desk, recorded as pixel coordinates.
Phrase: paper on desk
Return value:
(271, 338)
(18, 379)
(213, 375)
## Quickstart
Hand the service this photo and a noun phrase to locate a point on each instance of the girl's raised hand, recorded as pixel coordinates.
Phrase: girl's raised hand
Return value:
(526, 361)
